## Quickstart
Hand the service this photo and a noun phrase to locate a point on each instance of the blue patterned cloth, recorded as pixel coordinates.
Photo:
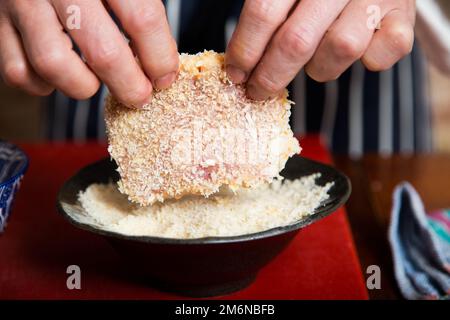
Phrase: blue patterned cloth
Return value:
(420, 247)
(13, 163)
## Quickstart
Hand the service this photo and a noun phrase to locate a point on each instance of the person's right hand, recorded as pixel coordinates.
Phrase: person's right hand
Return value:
(36, 53)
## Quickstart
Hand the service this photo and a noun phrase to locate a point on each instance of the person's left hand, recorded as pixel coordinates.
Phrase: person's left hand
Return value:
(274, 40)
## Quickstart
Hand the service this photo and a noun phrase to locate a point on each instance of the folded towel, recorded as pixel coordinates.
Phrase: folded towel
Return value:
(420, 245)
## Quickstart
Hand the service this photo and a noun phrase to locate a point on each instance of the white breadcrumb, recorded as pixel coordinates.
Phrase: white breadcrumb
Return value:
(222, 214)
(198, 135)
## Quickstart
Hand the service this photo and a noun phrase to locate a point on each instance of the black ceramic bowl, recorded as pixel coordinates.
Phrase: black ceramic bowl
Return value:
(207, 266)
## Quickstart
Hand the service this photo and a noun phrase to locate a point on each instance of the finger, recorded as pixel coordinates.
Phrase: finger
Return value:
(50, 52)
(293, 46)
(392, 42)
(258, 21)
(14, 67)
(146, 23)
(107, 52)
(345, 42)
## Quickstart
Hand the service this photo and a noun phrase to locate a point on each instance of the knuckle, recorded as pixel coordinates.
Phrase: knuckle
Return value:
(374, 64)
(399, 41)
(137, 95)
(84, 95)
(296, 43)
(316, 75)
(104, 55)
(264, 12)
(322, 78)
(401, 38)
(49, 63)
(145, 20)
(84, 91)
(346, 46)
(267, 83)
(15, 74)
(43, 92)
(4, 19)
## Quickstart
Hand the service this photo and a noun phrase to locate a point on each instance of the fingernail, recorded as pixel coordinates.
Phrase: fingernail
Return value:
(165, 81)
(143, 105)
(256, 94)
(235, 74)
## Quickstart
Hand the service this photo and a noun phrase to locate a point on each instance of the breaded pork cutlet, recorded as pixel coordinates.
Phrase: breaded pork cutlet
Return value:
(200, 134)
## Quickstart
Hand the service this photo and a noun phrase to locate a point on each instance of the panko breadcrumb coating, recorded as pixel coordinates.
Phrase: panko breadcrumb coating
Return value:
(223, 214)
(200, 134)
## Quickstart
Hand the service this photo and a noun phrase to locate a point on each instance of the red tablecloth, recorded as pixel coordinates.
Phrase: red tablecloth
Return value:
(38, 245)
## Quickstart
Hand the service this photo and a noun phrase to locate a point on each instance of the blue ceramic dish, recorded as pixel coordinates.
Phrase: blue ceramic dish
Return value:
(13, 164)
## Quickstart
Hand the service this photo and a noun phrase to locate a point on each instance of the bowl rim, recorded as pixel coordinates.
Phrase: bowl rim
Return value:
(21, 171)
(275, 231)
